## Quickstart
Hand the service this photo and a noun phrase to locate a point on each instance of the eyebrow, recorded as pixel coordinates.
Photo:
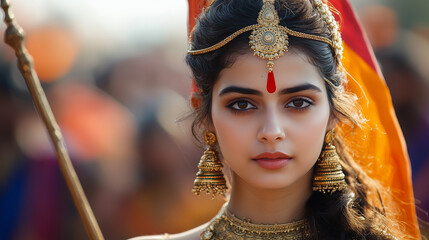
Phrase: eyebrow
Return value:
(249, 91)
(235, 89)
(300, 88)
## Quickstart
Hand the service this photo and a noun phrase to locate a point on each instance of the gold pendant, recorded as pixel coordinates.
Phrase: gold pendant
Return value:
(269, 41)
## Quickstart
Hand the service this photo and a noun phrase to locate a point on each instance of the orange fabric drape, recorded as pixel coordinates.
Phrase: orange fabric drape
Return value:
(382, 153)
(380, 146)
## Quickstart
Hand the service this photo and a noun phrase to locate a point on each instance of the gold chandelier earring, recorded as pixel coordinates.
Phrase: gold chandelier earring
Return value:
(328, 175)
(209, 176)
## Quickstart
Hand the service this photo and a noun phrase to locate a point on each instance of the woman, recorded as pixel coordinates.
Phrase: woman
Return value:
(268, 113)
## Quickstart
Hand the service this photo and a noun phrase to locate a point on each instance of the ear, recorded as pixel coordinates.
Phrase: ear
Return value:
(195, 100)
(332, 122)
(208, 125)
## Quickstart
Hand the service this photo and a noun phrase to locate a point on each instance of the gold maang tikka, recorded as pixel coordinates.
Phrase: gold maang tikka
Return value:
(268, 40)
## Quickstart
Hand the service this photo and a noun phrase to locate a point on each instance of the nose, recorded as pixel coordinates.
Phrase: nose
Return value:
(271, 130)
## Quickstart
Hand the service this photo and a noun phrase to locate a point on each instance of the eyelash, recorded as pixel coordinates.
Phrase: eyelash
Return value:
(236, 101)
(307, 101)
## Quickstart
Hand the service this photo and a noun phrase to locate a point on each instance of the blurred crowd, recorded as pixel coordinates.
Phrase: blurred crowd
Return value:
(124, 112)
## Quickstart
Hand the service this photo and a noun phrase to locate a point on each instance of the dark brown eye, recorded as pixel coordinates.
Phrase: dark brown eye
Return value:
(241, 105)
(299, 103)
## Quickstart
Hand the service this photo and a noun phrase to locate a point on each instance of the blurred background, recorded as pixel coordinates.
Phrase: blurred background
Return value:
(115, 76)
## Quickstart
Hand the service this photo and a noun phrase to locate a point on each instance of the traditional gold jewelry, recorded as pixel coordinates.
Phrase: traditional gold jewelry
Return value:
(226, 226)
(209, 176)
(326, 14)
(269, 40)
(328, 175)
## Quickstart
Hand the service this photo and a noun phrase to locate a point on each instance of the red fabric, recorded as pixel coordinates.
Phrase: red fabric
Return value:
(352, 34)
(195, 7)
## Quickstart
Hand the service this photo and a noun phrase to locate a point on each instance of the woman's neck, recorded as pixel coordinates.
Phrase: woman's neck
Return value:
(270, 206)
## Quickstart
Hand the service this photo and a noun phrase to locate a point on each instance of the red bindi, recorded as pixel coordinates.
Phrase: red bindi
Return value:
(271, 83)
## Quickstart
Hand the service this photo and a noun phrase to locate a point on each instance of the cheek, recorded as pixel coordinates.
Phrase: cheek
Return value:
(308, 133)
(233, 133)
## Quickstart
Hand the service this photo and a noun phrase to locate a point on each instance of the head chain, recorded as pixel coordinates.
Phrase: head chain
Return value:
(328, 17)
(324, 11)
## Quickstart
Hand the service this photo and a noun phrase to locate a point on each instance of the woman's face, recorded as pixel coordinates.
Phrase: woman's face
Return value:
(270, 140)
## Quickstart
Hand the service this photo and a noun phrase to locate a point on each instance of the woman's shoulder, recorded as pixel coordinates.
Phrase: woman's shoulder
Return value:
(193, 234)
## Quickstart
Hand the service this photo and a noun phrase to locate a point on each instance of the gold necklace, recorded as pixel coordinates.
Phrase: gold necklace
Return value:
(226, 226)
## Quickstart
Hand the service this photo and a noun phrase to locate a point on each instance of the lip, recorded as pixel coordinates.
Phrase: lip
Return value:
(272, 156)
(273, 160)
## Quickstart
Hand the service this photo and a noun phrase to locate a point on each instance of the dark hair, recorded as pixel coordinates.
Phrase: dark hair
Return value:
(348, 214)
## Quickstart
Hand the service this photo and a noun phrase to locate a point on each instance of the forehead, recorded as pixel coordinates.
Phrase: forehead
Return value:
(250, 71)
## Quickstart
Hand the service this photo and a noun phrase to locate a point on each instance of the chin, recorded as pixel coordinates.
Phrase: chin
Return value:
(272, 181)
(279, 180)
